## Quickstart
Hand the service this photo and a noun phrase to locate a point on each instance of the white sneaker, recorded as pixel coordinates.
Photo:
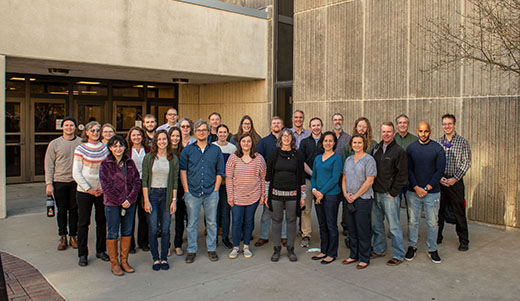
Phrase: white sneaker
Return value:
(247, 253)
(234, 253)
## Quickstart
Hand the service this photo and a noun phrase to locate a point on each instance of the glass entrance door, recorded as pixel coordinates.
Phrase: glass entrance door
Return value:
(127, 114)
(14, 141)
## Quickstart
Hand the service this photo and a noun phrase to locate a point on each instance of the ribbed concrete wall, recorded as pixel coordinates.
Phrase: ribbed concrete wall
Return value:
(366, 58)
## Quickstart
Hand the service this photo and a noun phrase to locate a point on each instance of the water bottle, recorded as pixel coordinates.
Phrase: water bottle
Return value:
(50, 206)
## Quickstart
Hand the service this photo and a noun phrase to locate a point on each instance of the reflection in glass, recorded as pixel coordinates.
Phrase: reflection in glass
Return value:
(285, 52)
(48, 86)
(286, 8)
(45, 115)
(93, 90)
(12, 117)
(39, 159)
(12, 138)
(87, 113)
(15, 88)
(13, 167)
(155, 91)
(128, 90)
(126, 115)
(44, 138)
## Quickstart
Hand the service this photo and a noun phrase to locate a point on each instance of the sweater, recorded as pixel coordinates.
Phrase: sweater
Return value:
(245, 183)
(119, 186)
(85, 170)
(426, 163)
(59, 159)
(326, 174)
(173, 177)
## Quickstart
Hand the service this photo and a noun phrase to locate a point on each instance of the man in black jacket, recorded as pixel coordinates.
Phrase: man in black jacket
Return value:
(392, 176)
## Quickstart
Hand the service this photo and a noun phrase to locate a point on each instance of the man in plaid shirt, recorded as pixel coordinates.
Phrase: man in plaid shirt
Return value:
(458, 161)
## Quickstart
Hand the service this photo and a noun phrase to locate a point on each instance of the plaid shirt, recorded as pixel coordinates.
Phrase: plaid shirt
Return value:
(458, 156)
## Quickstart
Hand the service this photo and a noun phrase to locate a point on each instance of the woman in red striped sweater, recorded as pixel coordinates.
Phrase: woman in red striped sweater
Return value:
(245, 185)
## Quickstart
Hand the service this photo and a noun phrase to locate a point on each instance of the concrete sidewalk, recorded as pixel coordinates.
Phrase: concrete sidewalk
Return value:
(489, 270)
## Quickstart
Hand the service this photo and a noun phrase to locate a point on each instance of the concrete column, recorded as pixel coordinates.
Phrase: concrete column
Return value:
(3, 199)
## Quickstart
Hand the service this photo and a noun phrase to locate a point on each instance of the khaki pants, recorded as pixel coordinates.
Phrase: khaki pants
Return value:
(306, 214)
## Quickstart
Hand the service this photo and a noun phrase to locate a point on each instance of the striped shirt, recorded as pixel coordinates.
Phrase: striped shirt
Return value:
(245, 182)
(458, 156)
(85, 169)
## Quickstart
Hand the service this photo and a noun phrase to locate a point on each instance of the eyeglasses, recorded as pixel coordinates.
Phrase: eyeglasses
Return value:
(201, 130)
(94, 130)
(171, 114)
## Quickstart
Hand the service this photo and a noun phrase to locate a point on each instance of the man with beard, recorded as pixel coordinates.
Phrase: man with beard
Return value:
(172, 118)
(149, 125)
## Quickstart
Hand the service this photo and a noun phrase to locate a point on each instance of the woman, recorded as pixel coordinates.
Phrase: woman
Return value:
(358, 176)
(362, 126)
(223, 210)
(160, 180)
(245, 185)
(85, 171)
(107, 131)
(186, 126)
(246, 126)
(120, 182)
(181, 214)
(137, 149)
(325, 188)
(285, 183)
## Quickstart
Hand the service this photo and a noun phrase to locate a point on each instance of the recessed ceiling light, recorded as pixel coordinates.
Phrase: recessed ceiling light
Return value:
(58, 71)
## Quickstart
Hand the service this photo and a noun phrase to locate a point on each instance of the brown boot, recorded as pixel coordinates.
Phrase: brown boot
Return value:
(73, 242)
(125, 248)
(63, 243)
(114, 258)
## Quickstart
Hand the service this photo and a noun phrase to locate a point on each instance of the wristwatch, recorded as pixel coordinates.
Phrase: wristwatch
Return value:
(426, 188)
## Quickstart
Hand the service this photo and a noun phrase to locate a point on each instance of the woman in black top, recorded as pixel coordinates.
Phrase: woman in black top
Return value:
(285, 184)
(181, 214)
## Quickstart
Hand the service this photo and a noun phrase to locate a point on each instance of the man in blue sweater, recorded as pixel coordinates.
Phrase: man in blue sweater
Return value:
(426, 163)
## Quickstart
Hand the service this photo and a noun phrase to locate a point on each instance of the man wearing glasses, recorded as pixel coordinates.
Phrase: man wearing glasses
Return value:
(171, 117)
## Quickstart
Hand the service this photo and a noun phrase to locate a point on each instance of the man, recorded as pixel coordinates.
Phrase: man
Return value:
(202, 169)
(60, 184)
(310, 148)
(264, 148)
(458, 161)
(172, 118)
(403, 137)
(426, 163)
(392, 176)
(299, 132)
(149, 125)
(214, 121)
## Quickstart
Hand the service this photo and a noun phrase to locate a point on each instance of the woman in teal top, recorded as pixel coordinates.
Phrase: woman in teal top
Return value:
(325, 188)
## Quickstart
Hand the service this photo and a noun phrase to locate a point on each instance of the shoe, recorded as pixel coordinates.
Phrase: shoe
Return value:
(73, 241)
(190, 257)
(276, 254)
(156, 266)
(145, 248)
(434, 256)
(318, 257)
(165, 266)
(125, 249)
(63, 243)
(260, 242)
(132, 250)
(345, 232)
(374, 255)
(205, 231)
(83, 262)
(347, 241)
(247, 253)
(362, 265)
(219, 231)
(291, 255)
(212, 255)
(178, 251)
(439, 239)
(103, 256)
(114, 257)
(305, 242)
(234, 253)
(394, 262)
(327, 262)
(284, 242)
(464, 246)
(349, 260)
(227, 243)
(410, 254)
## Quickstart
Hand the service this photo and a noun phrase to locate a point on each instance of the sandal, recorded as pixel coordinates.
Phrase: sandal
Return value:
(349, 260)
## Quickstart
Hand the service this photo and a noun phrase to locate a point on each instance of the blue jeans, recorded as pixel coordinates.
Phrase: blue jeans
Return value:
(265, 224)
(327, 213)
(243, 218)
(387, 207)
(114, 220)
(358, 224)
(157, 197)
(431, 203)
(223, 212)
(193, 204)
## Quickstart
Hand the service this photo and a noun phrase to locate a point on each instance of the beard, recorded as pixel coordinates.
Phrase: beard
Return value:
(338, 127)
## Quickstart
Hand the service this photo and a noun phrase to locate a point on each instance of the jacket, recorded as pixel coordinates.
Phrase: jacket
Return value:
(117, 185)
(173, 176)
(392, 169)
(310, 149)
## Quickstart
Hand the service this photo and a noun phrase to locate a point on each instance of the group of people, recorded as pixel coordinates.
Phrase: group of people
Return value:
(180, 167)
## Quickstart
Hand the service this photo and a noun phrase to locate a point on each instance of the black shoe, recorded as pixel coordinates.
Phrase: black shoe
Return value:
(190, 257)
(434, 256)
(83, 262)
(464, 246)
(103, 256)
(227, 243)
(327, 262)
(132, 250)
(439, 239)
(318, 257)
(345, 232)
(291, 255)
(276, 254)
(212, 255)
(145, 248)
(410, 254)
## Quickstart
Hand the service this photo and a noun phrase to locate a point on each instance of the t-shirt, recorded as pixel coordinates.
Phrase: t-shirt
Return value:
(160, 170)
(358, 172)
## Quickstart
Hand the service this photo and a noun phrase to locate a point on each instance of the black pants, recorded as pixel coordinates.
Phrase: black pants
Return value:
(142, 225)
(454, 196)
(181, 215)
(65, 197)
(85, 202)
(327, 213)
(290, 217)
(359, 229)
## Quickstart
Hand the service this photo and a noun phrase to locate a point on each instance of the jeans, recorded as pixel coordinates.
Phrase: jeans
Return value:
(265, 224)
(358, 224)
(85, 203)
(327, 213)
(157, 197)
(454, 195)
(210, 204)
(243, 223)
(290, 217)
(389, 208)
(431, 203)
(223, 212)
(142, 226)
(65, 197)
(114, 220)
